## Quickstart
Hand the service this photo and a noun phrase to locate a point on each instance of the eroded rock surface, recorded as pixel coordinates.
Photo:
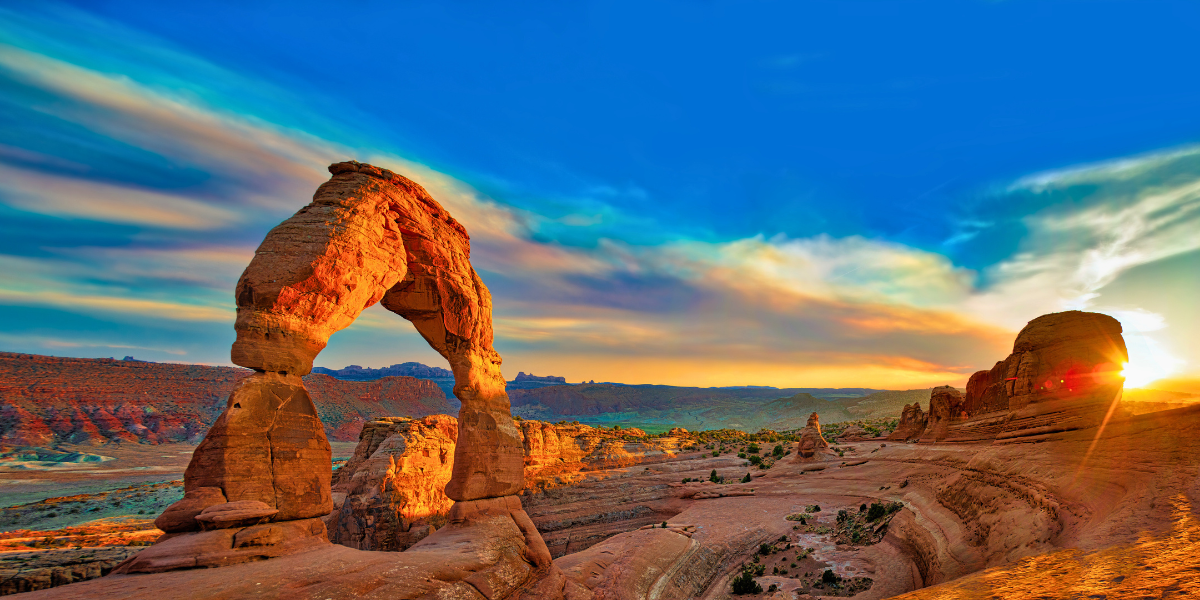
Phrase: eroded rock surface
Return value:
(389, 495)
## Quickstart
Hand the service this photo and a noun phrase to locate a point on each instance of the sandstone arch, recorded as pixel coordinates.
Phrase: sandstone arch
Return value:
(368, 236)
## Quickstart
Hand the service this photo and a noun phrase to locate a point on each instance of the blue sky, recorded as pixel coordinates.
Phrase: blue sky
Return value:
(827, 193)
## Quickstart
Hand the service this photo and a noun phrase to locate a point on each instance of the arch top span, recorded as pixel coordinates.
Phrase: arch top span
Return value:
(369, 235)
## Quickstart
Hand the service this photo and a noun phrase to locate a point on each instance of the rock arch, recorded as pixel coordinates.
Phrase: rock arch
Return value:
(368, 236)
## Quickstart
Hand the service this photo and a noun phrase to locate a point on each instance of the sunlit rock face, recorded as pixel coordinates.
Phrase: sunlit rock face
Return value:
(389, 495)
(1064, 373)
(392, 491)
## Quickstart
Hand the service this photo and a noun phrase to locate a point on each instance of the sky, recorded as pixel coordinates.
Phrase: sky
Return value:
(817, 194)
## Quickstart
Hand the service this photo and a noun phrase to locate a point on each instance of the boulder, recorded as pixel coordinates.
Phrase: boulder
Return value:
(392, 490)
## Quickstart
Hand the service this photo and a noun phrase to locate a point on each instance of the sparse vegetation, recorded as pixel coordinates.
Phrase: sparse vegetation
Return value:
(744, 583)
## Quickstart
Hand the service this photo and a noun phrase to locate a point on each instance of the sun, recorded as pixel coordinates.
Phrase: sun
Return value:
(1138, 375)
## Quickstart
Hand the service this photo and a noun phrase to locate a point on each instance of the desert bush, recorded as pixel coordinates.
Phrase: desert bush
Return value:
(744, 584)
(828, 577)
(746, 479)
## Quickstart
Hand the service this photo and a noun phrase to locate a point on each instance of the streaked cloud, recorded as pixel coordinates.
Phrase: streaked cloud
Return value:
(65, 196)
(183, 182)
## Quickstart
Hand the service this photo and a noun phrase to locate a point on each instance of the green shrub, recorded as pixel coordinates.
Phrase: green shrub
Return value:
(828, 577)
(746, 479)
(713, 476)
(744, 584)
(878, 510)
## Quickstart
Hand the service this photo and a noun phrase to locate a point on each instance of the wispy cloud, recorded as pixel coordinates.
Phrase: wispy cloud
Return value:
(65, 196)
(190, 180)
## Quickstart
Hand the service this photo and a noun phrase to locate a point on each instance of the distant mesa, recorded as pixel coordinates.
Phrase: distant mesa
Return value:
(50, 400)
(521, 376)
(408, 369)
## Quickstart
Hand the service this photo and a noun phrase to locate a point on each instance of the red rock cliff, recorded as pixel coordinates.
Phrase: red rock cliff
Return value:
(50, 399)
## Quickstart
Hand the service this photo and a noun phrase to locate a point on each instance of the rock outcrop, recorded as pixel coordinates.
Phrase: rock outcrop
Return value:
(368, 236)
(811, 442)
(912, 423)
(945, 405)
(389, 495)
(1064, 374)
(521, 376)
